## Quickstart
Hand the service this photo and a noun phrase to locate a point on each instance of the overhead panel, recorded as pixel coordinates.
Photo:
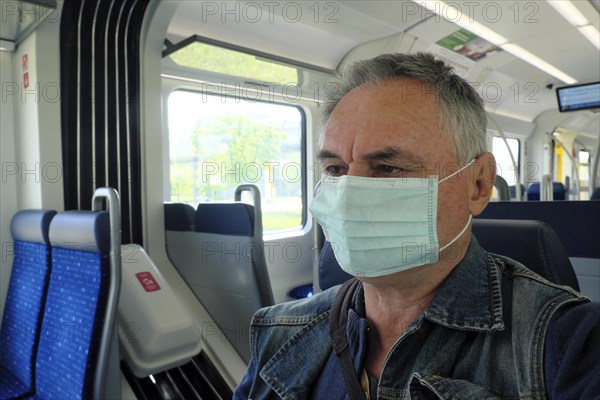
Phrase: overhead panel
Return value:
(323, 32)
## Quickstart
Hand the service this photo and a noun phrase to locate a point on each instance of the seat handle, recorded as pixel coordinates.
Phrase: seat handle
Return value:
(253, 189)
(109, 197)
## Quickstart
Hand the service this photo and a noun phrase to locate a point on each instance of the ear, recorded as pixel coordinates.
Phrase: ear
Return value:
(481, 182)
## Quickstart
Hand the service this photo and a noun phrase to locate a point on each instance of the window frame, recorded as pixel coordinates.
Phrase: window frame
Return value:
(303, 151)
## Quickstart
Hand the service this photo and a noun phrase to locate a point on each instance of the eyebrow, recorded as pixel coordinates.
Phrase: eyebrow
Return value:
(326, 154)
(395, 154)
(387, 154)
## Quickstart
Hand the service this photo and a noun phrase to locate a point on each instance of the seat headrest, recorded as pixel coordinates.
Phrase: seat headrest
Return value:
(81, 230)
(32, 225)
(179, 217)
(532, 243)
(330, 272)
(236, 219)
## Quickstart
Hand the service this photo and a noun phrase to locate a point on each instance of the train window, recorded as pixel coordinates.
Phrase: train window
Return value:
(584, 174)
(211, 58)
(217, 143)
(504, 164)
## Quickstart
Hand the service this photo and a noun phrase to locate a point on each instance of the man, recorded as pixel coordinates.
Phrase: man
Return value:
(431, 314)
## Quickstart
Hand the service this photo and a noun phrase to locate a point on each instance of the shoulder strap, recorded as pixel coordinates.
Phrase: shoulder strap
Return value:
(338, 322)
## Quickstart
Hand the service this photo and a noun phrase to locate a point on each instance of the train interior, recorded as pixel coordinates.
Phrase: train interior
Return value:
(204, 117)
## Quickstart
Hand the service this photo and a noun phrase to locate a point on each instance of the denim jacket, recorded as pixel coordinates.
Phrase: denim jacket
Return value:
(481, 337)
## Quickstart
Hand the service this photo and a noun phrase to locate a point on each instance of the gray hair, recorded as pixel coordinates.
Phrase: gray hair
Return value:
(462, 113)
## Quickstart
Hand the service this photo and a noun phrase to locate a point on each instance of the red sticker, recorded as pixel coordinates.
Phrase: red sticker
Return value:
(26, 80)
(25, 62)
(148, 282)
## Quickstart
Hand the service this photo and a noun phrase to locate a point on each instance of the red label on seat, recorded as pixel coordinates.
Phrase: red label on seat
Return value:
(148, 282)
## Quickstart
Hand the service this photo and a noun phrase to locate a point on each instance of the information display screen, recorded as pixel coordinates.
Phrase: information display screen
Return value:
(578, 97)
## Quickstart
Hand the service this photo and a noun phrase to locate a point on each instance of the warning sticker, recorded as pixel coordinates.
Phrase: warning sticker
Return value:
(148, 282)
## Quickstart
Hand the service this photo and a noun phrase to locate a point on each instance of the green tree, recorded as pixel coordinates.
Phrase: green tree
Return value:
(231, 142)
(230, 62)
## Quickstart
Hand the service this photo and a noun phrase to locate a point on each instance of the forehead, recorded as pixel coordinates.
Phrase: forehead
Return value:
(402, 112)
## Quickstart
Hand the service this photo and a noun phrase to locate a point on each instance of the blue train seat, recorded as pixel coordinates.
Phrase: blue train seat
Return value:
(595, 194)
(223, 262)
(565, 217)
(329, 271)
(179, 217)
(71, 354)
(25, 300)
(513, 191)
(558, 189)
(532, 243)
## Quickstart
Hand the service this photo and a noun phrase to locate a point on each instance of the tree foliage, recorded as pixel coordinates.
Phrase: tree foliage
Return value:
(216, 59)
(222, 149)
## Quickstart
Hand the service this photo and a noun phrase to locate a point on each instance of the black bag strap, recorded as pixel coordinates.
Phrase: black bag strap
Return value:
(338, 321)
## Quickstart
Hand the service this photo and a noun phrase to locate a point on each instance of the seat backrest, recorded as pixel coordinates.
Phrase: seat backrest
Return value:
(513, 190)
(234, 268)
(232, 219)
(329, 271)
(565, 217)
(558, 189)
(532, 243)
(595, 194)
(26, 294)
(76, 305)
(223, 262)
(179, 217)
(502, 187)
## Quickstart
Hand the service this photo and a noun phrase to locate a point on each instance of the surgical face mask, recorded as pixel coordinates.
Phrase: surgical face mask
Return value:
(379, 226)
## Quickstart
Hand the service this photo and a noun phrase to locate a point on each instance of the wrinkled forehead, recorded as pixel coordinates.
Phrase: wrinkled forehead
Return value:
(390, 100)
(402, 112)
(393, 93)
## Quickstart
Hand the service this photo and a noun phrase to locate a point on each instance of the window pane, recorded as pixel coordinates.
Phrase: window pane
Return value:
(217, 59)
(217, 143)
(584, 157)
(584, 174)
(504, 164)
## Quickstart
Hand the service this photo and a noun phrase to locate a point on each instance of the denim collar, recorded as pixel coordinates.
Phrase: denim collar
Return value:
(470, 297)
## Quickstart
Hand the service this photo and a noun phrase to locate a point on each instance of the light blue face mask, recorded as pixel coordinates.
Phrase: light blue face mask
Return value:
(379, 226)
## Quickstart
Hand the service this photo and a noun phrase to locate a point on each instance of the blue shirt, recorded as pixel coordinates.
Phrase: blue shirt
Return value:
(494, 330)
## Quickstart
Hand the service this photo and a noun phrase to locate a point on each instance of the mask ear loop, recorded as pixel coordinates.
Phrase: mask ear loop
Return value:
(317, 188)
(464, 229)
(457, 171)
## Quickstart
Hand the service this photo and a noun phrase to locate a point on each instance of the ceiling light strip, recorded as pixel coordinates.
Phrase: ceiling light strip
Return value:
(591, 33)
(456, 16)
(576, 18)
(569, 12)
(534, 60)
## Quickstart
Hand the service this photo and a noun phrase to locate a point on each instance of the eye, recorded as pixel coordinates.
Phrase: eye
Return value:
(334, 170)
(387, 170)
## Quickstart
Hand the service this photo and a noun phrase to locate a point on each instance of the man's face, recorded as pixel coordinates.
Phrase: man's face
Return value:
(393, 130)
